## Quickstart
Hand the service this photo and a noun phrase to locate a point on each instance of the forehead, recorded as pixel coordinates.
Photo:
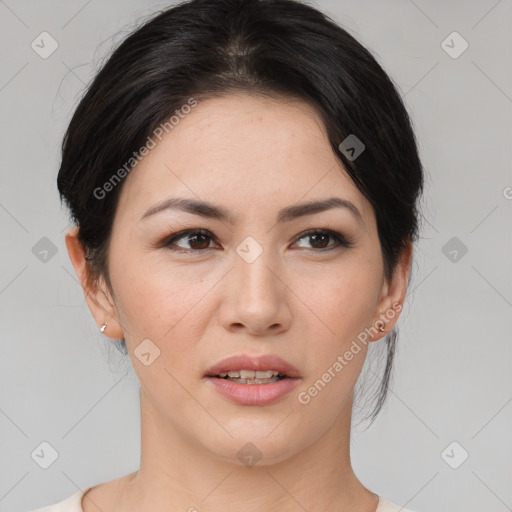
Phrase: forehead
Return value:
(246, 150)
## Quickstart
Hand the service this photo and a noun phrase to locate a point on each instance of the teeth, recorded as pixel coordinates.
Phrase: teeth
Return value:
(267, 374)
(250, 374)
(254, 381)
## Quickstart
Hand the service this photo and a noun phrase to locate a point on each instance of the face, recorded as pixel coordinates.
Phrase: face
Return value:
(255, 282)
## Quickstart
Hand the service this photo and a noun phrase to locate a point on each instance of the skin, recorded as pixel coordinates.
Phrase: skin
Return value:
(253, 156)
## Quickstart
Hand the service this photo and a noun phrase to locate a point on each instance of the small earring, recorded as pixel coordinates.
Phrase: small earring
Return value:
(103, 327)
(381, 328)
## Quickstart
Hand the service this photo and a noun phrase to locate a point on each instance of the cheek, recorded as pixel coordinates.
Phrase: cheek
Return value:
(159, 300)
(342, 298)
(343, 303)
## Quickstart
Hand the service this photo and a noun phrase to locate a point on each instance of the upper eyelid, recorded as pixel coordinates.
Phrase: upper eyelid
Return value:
(192, 231)
(308, 232)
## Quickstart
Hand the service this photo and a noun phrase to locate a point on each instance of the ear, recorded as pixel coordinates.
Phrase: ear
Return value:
(393, 295)
(97, 295)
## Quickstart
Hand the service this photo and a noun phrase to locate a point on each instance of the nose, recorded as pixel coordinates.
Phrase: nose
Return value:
(256, 298)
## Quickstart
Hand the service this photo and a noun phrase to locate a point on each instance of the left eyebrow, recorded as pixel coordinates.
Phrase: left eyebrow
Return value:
(209, 210)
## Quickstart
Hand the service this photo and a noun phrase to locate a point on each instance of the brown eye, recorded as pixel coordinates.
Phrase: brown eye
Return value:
(319, 239)
(198, 240)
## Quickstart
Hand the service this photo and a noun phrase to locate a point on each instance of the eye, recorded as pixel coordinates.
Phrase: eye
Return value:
(198, 238)
(319, 238)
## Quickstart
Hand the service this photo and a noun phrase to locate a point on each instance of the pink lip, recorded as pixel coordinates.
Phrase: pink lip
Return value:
(253, 394)
(255, 363)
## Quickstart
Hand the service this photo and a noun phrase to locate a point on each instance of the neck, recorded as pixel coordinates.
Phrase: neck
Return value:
(177, 472)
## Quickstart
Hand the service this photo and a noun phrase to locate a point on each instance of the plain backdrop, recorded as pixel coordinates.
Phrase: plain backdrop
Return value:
(443, 442)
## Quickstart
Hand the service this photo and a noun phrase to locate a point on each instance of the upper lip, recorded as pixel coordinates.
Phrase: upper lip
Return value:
(255, 363)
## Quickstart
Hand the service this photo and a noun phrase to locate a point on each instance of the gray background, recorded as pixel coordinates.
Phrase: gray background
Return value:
(62, 383)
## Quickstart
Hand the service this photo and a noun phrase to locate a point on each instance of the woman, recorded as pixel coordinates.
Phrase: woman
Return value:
(243, 178)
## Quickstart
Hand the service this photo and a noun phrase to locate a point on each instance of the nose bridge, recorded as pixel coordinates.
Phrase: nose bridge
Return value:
(257, 296)
(254, 267)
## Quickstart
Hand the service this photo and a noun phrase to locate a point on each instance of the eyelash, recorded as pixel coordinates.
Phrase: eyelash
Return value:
(341, 241)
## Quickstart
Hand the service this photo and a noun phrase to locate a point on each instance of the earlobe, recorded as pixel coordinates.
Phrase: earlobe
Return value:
(393, 296)
(96, 294)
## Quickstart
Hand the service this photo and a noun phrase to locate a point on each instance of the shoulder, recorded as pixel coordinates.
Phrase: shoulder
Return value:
(386, 505)
(71, 504)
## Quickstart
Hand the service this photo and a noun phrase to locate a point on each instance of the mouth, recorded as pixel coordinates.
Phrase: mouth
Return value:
(253, 380)
(252, 377)
(267, 367)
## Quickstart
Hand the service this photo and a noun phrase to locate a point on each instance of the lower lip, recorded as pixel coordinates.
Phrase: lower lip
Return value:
(253, 394)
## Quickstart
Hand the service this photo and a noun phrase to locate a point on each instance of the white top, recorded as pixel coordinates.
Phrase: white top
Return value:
(73, 504)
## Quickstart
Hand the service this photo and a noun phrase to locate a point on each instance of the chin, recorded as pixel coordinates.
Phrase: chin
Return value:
(254, 447)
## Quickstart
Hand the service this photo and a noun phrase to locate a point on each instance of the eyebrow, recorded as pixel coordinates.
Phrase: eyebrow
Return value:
(212, 211)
